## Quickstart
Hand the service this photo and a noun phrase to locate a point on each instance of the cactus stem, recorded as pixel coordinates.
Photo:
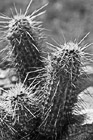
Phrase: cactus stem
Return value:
(64, 75)
(23, 34)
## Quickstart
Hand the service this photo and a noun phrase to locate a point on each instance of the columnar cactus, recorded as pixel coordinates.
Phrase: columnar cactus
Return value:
(24, 36)
(65, 73)
(20, 107)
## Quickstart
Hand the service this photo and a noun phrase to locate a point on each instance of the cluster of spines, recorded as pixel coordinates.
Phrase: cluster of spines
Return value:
(20, 112)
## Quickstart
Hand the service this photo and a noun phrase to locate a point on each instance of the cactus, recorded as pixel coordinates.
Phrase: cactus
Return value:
(46, 111)
(20, 112)
(20, 107)
(65, 73)
(24, 37)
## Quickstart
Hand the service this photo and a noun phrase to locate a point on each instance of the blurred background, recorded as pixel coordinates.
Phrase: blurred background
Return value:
(72, 19)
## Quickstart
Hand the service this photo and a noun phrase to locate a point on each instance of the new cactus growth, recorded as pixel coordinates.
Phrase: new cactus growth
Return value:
(25, 40)
(65, 70)
(20, 112)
